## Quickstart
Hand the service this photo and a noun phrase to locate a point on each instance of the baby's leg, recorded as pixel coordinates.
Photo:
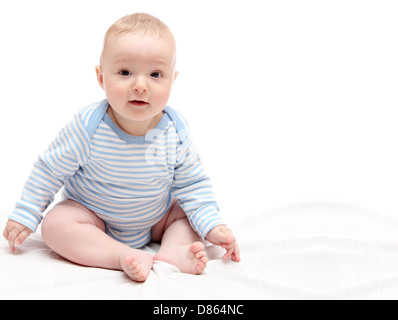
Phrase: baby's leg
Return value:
(77, 234)
(180, 244)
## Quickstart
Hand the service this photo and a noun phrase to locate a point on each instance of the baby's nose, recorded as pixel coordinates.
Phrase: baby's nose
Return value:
(140, 86)
(140, 89)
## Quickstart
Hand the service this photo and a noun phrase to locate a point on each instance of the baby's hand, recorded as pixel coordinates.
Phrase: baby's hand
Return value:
(15, 233)
(223, 236)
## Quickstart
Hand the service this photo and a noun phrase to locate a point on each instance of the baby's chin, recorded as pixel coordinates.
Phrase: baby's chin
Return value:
(142, 114)
(145, 115)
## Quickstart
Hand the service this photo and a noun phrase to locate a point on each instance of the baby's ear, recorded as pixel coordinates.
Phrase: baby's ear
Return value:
(100, 76)
(175, 75)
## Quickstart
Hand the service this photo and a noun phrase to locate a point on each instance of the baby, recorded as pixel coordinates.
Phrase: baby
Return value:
(129, 171)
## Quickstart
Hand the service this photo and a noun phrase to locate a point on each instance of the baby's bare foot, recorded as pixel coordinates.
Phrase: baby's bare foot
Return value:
(136, 264)
(189, 259)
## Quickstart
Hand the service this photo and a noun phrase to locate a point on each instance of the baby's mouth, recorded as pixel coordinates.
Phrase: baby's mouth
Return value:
(138, 103)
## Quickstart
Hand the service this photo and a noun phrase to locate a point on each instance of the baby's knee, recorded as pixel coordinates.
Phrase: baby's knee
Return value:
(49, 225)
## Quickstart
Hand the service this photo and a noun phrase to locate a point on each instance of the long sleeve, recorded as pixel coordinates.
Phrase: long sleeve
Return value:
(54, 167)
(193, 190)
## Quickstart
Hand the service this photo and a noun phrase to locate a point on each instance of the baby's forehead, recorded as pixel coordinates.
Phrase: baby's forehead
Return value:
(128, 45)
(141, 38)
(169, 38)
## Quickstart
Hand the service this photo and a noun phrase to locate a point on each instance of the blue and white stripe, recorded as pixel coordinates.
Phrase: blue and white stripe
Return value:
(128, 181)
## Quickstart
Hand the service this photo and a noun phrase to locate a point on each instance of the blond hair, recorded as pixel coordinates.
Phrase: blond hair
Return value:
(138, 23)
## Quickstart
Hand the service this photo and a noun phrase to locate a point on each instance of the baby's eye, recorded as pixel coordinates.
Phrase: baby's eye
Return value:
(156, 75)
(125, 73)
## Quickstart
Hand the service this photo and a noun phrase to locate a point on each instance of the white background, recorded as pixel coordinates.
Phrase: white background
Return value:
(289, 101)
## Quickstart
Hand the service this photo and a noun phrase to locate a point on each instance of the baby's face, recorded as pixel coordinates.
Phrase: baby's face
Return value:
(137, 74)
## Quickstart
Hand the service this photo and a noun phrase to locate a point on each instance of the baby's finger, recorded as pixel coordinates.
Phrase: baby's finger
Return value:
(228, 254)
(229, 245)
(22, 237)
(236, 254)
(11, 239)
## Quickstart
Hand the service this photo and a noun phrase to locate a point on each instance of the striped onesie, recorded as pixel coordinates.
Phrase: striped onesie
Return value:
(128, 181)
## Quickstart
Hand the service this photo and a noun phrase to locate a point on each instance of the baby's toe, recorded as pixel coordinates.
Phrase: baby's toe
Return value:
(197, 247)
(200, 254)
(128, 260)
(200, 267)
(134, 267)
(141, 276)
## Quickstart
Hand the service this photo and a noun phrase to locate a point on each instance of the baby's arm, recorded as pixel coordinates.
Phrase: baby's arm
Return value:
(15, 233)
(223, 236)
(65, 155)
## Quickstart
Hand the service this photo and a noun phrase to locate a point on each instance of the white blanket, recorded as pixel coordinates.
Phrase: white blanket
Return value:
(304, 251)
